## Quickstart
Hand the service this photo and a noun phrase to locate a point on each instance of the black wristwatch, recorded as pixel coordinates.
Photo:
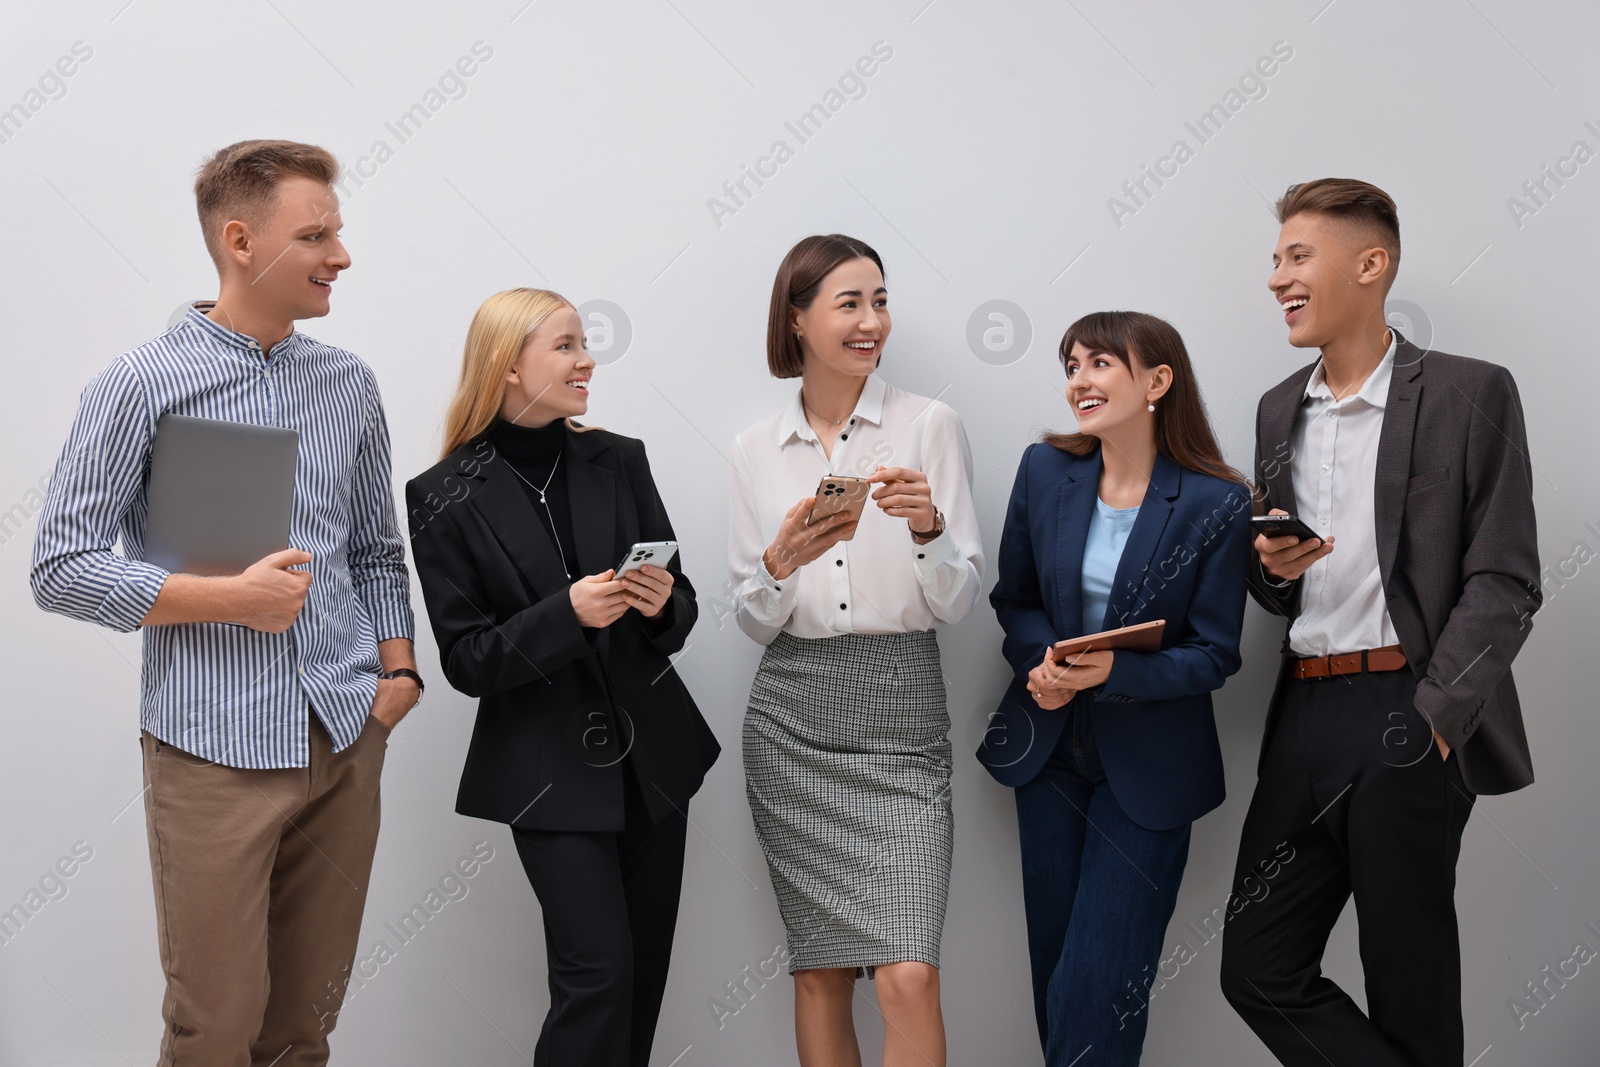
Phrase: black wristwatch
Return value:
(406, 672)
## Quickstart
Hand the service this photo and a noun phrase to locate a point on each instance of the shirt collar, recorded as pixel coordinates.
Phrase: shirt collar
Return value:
(196, 316)
(1374, 391)
(869, 408)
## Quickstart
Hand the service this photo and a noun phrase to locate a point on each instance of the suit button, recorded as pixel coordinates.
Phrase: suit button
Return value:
(839, 562)
(841, 607)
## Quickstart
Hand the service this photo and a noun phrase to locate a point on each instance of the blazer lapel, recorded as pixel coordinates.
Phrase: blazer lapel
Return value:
(1277, 444)
(1128, 594)
(1394, 451)
(504, 502)
(593, 489)
(1074, 509)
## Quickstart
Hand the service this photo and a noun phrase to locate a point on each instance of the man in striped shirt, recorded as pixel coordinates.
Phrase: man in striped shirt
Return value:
(267, 697)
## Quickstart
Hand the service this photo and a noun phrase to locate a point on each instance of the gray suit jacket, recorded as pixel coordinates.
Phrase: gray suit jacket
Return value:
(1457, 550)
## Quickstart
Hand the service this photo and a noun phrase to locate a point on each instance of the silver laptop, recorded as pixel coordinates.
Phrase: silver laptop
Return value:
(220, 494)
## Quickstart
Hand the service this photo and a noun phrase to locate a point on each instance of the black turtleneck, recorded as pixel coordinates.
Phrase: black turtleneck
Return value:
(533, 452)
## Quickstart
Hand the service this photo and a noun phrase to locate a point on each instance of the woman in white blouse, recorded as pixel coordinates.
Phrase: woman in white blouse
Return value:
(846, 747)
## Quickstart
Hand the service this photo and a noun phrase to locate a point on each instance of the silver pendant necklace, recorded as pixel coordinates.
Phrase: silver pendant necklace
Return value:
(837, 422)
(541, 489)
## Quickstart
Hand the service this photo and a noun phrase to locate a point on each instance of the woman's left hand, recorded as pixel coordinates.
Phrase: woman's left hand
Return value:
(905, 494)
(649, 589)
(1047, 684)
(1087, 669)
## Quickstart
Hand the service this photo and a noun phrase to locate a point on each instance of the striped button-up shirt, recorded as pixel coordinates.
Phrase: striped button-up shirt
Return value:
(224, 692)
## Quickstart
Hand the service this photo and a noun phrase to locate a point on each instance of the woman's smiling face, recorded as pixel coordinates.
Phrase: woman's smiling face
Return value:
(1102, 390)
(847, 323)
(550, 379)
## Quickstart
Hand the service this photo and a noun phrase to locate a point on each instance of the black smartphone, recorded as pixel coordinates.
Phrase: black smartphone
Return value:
(1283, 526)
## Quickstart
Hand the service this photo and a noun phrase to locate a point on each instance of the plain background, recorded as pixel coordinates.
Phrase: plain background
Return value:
(980, 160)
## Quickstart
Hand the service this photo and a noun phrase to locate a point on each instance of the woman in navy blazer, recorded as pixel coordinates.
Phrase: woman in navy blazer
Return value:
(1134, 518)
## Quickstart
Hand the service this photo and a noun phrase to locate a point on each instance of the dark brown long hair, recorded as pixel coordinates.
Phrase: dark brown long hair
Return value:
(1139, 342)
(799, 275)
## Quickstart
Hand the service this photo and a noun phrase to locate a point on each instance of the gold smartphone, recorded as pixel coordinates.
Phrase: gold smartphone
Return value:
(836, 494)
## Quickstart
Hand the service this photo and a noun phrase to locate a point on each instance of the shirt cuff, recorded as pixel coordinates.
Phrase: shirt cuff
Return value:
(1270, 580)
(131, 599)
(765, 579)
(767, 600)
(391, 620)
(930, 557)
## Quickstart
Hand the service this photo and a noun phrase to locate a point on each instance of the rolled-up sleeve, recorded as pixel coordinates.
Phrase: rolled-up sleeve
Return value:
(377, 551)
(74, 571)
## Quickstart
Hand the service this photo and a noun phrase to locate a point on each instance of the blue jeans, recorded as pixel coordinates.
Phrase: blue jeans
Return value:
(1098, 890)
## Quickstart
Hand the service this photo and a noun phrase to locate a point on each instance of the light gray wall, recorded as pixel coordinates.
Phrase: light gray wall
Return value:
(979, 161)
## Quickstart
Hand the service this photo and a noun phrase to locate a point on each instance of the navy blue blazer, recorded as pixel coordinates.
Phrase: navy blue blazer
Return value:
(1186, 561)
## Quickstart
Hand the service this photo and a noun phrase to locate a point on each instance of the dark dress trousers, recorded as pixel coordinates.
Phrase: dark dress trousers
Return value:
(1353, 798)
(1152, 719)
(586, 742)
(1107, 786)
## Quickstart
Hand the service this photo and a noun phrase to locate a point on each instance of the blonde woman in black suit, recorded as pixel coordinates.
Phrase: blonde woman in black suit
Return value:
(587, 744)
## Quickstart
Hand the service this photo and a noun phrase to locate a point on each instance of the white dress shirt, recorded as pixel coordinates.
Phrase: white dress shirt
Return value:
(1335, 464)
(879, 581)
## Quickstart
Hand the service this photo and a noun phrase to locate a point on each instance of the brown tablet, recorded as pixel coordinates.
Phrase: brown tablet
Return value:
(1144, 637)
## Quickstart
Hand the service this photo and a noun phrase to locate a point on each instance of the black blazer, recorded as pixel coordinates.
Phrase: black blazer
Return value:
(1457, 549)
(558, 703)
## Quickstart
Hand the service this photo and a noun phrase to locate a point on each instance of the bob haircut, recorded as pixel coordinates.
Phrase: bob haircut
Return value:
(799, 277)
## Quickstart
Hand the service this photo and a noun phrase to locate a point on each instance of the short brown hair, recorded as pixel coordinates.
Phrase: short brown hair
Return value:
(1140, 341)
(240, 181)
(1359, 205)
(799, 276)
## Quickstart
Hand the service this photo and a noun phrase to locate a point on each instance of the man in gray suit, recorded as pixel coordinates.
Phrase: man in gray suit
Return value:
(1394, 707)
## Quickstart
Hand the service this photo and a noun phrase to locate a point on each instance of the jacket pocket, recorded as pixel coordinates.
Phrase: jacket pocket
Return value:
(1427, 479)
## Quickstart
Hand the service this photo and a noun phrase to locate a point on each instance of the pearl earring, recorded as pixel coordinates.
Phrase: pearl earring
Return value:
(1150, 407)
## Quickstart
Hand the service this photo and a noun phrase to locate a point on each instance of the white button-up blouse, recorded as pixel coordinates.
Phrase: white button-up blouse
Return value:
(879, 581)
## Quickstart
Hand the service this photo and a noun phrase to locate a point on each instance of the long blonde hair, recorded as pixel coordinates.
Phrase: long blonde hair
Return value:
(495, 338)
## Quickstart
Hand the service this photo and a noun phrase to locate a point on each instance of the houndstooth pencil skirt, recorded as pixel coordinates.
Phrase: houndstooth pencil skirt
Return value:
(847, 770)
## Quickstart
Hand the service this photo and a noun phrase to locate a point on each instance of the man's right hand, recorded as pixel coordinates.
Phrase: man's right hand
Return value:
(268, 596)
(798, 544)
(1287, 558)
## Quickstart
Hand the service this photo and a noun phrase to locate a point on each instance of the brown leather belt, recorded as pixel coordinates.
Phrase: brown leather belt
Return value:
(1388, 658)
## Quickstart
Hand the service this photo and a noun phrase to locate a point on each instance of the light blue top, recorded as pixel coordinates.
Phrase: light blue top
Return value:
(1108, 534)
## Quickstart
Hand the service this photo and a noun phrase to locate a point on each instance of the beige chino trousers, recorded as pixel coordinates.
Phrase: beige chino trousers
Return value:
(260, 880)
